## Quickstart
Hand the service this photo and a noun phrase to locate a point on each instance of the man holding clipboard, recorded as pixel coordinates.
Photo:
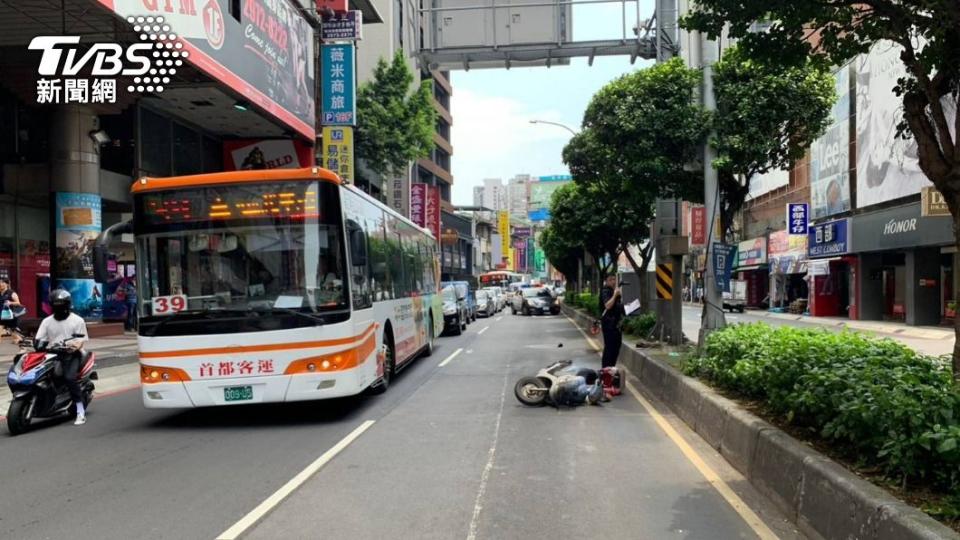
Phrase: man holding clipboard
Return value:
(611, 302)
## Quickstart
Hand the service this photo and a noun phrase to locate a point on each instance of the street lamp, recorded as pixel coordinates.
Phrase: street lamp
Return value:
(568, 128)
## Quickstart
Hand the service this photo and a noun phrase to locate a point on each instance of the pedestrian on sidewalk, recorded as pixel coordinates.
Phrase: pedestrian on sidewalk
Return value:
(11, 308)
(611, 304)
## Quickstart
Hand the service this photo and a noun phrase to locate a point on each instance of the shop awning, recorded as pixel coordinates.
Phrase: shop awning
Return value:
(749, 268)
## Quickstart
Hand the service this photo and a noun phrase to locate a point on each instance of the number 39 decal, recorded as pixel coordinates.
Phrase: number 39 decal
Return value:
(168, 305)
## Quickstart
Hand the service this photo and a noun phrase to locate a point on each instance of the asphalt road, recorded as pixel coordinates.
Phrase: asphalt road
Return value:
(930, 346)
(450, 454)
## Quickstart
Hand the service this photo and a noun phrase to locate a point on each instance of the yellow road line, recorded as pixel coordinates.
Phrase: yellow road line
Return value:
(734, 500)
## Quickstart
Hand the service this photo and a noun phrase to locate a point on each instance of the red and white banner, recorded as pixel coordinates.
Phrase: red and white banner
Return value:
(249, 154)
(698, 226)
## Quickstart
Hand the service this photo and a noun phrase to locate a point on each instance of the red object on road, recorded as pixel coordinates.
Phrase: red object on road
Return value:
(612, 382)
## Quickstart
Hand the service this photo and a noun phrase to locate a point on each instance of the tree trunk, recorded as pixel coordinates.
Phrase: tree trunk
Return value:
(956, 319)
(641, 271)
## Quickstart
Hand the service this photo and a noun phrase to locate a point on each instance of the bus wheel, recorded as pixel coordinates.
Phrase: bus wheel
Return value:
(389, 363)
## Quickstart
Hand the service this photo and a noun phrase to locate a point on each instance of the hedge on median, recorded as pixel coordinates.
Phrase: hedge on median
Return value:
(875, 400)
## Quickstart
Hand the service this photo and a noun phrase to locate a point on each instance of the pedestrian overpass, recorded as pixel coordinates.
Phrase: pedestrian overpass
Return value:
(473, 34)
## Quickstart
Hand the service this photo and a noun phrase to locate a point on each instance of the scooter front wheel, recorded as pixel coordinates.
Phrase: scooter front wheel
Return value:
(531, 391)
(19, 415)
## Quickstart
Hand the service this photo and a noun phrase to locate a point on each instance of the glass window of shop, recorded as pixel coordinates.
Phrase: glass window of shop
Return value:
(25, 252)
(172, 148)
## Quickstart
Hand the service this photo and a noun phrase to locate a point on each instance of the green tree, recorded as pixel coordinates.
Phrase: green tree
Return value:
(562, 254)
(831, 32)
(766, 119)
(578, 218)
(395, 121)
(630, 204)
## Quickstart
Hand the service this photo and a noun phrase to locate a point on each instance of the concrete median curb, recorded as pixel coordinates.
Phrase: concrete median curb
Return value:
(822, 497)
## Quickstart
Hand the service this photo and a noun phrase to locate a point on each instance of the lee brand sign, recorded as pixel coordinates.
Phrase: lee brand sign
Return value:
(828, 239)
(900, 228)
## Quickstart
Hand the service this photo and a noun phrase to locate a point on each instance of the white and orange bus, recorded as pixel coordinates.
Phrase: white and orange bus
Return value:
(276, 285)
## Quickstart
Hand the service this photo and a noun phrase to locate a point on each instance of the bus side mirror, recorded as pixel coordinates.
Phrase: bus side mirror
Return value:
(358, 247)
(101, 249)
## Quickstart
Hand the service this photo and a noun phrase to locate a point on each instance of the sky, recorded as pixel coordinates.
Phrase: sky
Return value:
(492, 135)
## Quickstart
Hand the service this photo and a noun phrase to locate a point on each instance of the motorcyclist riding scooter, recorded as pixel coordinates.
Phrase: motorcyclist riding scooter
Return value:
(63, 327)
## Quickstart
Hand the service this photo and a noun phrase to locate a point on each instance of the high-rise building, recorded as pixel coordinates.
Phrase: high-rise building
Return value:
(383, 41)
(518, 195)
(492, 194)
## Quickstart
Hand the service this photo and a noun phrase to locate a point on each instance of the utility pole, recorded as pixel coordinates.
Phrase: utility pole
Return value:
(712, 318)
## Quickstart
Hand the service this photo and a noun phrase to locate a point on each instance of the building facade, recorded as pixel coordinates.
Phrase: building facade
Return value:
(71, 146)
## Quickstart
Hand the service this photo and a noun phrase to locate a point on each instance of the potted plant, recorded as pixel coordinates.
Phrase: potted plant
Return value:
(951, 310)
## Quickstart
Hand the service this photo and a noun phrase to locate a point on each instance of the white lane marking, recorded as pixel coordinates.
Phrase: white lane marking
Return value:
(469, 351)
(500, 317)
(482, 330)
(451, 357)
(485, 476)
(272, 501)
(712, 477)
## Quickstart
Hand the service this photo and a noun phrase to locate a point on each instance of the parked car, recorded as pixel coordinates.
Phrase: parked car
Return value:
(499, 298)
(535, 300)
(466, 291)
(486, 303)
(455, 312)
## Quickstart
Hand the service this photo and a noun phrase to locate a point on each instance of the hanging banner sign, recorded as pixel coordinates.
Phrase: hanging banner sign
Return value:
(342, 27)
(418, 204)
(339, 85)
(723, 256)
(432, 211)
(338, 151)
(698, 224)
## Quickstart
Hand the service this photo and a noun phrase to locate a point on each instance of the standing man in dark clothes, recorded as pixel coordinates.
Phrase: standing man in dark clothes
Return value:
(612, 307)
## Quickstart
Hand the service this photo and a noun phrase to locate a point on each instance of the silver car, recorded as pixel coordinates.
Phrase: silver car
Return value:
(486, 303)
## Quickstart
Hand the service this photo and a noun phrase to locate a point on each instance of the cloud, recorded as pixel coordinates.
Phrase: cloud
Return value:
(493, 137)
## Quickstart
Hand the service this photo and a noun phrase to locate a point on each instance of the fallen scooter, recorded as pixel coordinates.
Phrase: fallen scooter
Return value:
(562, 384)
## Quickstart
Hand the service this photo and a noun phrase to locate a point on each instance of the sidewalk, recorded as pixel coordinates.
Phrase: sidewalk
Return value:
(111, 350)
(878, 327)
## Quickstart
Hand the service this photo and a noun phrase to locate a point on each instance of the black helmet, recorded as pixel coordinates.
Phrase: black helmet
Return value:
(62, 303)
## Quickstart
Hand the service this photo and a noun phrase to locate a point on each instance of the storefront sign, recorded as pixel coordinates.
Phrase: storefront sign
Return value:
(698, 224)
(338, 151)
(342, 27)
(723, 256)
(339, 85)
(828, 239)
(264, 53)
(900, 228)
(246, 154)
(522, 232)
(797, 218)
(932, 203)
(752, 252)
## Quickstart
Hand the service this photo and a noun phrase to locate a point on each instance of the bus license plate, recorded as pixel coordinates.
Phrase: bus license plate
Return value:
(238, 393)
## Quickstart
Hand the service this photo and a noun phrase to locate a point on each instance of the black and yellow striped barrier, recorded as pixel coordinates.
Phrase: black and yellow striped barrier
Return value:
(665, 281)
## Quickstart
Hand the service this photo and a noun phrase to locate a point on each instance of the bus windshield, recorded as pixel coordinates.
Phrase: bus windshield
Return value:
(259, 247)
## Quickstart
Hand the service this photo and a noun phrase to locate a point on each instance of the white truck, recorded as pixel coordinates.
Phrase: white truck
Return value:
(736, 299)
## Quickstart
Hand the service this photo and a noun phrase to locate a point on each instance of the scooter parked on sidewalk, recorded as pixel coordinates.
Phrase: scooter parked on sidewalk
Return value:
(560, 384)
(36, 381)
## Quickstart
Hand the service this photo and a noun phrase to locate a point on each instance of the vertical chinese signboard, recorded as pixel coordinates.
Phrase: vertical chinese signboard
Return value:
(78, 222)
(698, 224)
(503, 227)
(432, 211)
(339, 85)
(418, 204)
(797, 218)
(338, 151)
